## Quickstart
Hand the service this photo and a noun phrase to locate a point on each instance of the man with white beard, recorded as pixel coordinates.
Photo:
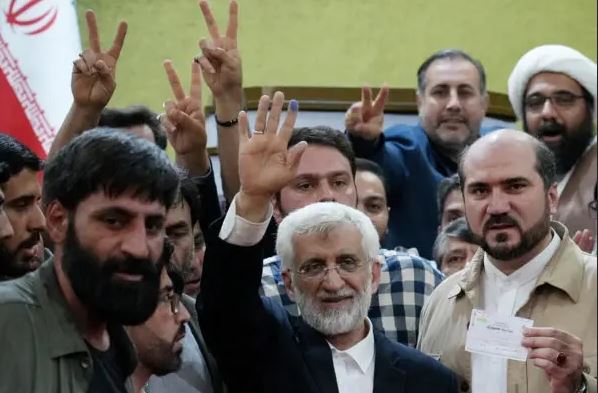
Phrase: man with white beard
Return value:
(331, 251)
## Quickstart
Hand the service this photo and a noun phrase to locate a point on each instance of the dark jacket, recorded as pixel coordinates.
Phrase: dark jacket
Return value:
(260, 348)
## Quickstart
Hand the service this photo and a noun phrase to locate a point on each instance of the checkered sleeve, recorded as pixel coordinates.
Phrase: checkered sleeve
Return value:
(273, 285)
(405, 283)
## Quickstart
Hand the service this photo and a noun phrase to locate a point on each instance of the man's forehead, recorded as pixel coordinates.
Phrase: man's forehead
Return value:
(550, 82)
(23, 183)
(499, 163)
(127, 202)
(321, 160)
(452, 72)
(179, 211)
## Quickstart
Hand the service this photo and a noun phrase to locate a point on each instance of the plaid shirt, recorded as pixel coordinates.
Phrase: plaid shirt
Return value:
(406, 281)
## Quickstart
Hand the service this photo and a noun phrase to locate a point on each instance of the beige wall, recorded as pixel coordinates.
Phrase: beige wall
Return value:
(337, 42)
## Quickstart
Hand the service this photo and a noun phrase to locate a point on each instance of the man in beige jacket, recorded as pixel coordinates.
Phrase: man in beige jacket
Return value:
(527, 266)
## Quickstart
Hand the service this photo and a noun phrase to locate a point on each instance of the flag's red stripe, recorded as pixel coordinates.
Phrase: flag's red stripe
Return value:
(13, 120)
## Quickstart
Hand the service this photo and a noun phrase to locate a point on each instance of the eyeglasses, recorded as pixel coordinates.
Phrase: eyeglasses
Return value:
(563, 100)
(317, 270)
(174, 299)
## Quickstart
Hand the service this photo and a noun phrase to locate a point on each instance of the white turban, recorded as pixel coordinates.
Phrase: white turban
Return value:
(550, 58)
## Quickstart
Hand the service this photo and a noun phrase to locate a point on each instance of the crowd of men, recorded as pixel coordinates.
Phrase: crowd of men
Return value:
(342, 260)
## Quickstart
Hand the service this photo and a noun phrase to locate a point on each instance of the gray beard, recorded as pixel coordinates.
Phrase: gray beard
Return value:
(340, 321)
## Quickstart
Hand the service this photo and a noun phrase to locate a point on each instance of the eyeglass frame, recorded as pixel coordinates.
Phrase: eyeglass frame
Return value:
(174, 299)
(553, 98)
(321, 274)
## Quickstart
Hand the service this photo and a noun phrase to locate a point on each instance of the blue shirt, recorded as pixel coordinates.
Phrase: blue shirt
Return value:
(413, 170)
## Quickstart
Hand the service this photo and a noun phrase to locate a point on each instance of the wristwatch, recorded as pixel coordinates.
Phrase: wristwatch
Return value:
(583, 387)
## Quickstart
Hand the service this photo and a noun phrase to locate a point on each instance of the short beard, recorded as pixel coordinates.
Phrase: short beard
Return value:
(160, 359)
(573, 144)
(13, 267)
(110, 301)
(335, 322)
(528, 240)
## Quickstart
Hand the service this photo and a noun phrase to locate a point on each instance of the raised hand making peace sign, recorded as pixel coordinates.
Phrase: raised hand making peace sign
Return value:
(220, 60)
(365, 119)
(184, 121)
(93, 80)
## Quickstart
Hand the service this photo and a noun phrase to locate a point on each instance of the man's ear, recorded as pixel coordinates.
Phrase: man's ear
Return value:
(553, 198)
(376, 271)
(277, 211)
(288, 283)
(57, 220)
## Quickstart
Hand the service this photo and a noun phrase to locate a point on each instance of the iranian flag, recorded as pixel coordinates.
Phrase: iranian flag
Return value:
(39, 39)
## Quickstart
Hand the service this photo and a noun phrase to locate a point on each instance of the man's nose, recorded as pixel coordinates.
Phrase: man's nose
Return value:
(454, 102)
(135, 243)
(498, 203)
(326, 193)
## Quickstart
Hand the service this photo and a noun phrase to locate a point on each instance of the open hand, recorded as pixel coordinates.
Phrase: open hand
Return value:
(266, 165)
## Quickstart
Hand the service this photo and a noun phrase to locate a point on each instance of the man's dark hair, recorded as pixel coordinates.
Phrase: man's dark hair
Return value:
(457, 229)
(364, 165)
(450, 54)
(545, 164)
(446, 186)
(4, 174)
(189, 192)
(325, 136)
(16, 156)
(172, 269)
(134, 115)
(111, 161)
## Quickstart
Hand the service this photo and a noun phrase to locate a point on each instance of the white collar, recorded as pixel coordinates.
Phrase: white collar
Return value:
(530, 271)
(363, 352)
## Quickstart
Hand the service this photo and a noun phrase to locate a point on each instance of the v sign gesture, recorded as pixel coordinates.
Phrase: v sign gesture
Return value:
(93, 81)
(220, 60)
(365, 119)
(92, 84)
(184, 121)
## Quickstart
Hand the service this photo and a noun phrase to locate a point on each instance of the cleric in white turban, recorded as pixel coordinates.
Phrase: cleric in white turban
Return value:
(551, 58)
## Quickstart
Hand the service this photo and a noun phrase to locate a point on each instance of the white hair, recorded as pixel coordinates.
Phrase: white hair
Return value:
(322, 217)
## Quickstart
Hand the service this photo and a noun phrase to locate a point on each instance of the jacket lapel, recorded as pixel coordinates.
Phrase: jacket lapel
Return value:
(388, 376)
(317, 356)
(189, 304)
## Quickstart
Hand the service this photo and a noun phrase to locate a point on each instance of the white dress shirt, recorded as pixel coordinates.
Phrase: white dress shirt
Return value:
(354, 367)
(505, 295)
(240, 232)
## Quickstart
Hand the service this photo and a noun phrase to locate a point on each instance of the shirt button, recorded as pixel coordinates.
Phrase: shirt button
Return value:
(465, 386)
(85, 363)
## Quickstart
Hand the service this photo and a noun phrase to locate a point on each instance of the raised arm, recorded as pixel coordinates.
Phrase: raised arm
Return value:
(221, 66)
(92, 83)
(229, 301)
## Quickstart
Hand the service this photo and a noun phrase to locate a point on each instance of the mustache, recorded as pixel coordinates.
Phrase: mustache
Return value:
(33, 240)
(452, 118)
(500, 219)
(130, 265)
(551, 128)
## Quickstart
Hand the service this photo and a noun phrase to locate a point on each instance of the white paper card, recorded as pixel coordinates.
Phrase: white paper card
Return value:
(497, 335)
